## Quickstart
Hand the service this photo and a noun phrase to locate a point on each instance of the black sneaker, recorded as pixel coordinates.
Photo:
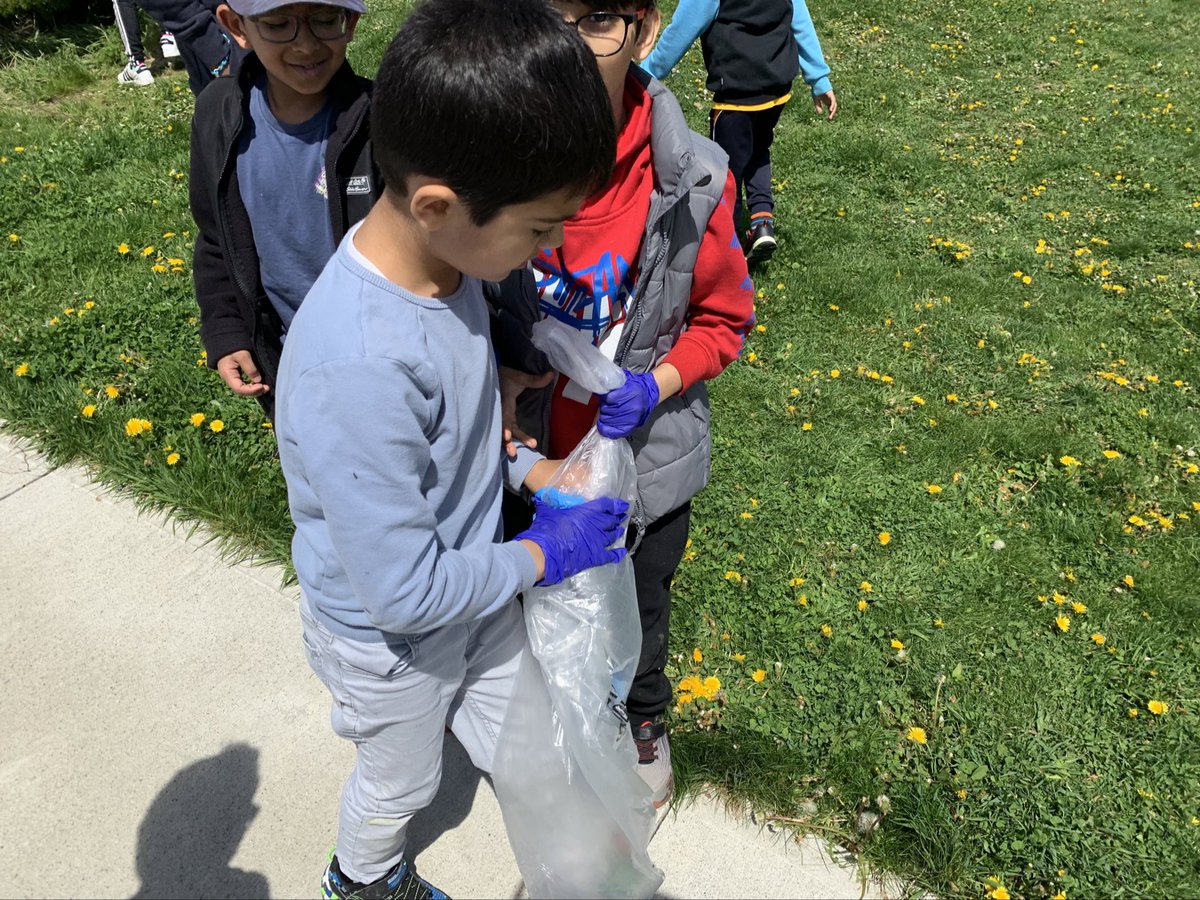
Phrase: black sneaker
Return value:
(399, 884)
(654, 760)
(760, 240)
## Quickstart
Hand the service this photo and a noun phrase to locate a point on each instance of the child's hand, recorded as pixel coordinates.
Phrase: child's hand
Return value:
(239, 372)
(577, 538)
(512, 383)
(826, 101)
(628, 407)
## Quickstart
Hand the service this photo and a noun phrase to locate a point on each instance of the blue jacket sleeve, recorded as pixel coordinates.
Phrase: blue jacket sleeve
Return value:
(691, 19)
(812, 61)
(381, 527)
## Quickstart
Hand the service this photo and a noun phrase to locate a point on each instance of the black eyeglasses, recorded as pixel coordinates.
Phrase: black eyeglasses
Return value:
(279, 28)
(605, 32)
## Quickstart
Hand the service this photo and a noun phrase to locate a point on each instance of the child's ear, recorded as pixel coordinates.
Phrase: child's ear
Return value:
(234, 24)
(647, 34)
(432, 204)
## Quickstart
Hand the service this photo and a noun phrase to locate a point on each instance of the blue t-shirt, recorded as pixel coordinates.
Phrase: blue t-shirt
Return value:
(281, 175)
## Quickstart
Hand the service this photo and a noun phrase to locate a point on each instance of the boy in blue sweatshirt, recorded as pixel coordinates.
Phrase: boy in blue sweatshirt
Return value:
(753, 50)
(490, 124)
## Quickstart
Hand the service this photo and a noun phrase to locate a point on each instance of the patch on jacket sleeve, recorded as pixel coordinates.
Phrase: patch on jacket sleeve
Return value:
(359, 184)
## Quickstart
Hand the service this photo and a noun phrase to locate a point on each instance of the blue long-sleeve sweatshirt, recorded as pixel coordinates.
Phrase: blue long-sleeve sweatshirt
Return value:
(388, 420)
(742, 50)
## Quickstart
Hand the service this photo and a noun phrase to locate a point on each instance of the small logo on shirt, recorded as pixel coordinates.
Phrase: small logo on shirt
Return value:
(359, 184)
(319, 184)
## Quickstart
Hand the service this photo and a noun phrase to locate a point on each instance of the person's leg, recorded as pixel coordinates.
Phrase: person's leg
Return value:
(135, 70)
(130, 29)
(494, 651)
(391, 700)
(759, 198)
(732, 130)
(654, 566)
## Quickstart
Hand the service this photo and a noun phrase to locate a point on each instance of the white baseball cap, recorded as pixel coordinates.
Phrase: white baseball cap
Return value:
(262, 7)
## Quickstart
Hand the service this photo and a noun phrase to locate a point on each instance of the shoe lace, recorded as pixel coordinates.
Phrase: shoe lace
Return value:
(647, 750)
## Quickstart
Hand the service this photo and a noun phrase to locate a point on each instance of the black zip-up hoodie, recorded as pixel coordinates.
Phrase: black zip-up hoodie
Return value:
(235, 313)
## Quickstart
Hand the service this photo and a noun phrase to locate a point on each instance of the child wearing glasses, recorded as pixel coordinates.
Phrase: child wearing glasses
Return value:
(753, 50)
(490, 126)
(280, 169)
(650, 269)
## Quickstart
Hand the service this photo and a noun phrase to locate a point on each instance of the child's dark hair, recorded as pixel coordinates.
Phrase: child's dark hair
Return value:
(499, 99)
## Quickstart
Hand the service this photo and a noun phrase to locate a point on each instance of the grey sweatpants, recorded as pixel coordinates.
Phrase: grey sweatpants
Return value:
(394, 700)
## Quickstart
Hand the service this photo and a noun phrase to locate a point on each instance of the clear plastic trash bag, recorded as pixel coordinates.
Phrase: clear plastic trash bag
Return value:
(578, 816)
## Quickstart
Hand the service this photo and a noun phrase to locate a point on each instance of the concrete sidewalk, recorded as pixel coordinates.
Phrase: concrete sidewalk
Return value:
(166, 738)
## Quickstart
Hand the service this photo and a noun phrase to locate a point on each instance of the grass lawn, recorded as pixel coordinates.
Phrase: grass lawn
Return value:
(940, 599)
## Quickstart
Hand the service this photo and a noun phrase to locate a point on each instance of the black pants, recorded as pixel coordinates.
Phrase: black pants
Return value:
(201, 41)
(747, 137)
(654, 566)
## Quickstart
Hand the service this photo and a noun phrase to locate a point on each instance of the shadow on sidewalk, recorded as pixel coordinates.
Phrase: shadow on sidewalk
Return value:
(451, 806)
(194, 827)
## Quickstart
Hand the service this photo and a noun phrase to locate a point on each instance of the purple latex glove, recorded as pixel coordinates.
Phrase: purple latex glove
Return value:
(629, 406)
(577, 538)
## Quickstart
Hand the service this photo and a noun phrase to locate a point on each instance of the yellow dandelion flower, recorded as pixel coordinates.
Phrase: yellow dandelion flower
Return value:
(147, 251)
(1026, 279)
(802, 600)
(1157, 707)
(697, 656)
(866, 586)
(759, 674)
(197, 419)
(998, 893)
(938, 623)
(711, 685)
(1068, 461)
(933, 488)
(1059, 599)
(1079, 607)
(885, 537)
(917, 735)
(1127, 581)
(952, 398)
(14, 237)
(88, 411)
(747, 515)
(1099, 640)
(134, 427)
(862, 605)
(826, 630)
(216, 425)
(835, 373)
(897, 644)
(1137, 520)
(172, 459)
(740, 657)
(961, 793)
(1143, 412)
(733, 576)
(21, 370)
(725, 636)
(1063, 623)
(122, 248)
(918, 400)
(807, 426)
(111, 391)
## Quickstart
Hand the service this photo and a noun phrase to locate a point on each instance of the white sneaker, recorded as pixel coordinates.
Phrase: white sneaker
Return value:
(135, 73)
(654, 760)
(166, 43)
